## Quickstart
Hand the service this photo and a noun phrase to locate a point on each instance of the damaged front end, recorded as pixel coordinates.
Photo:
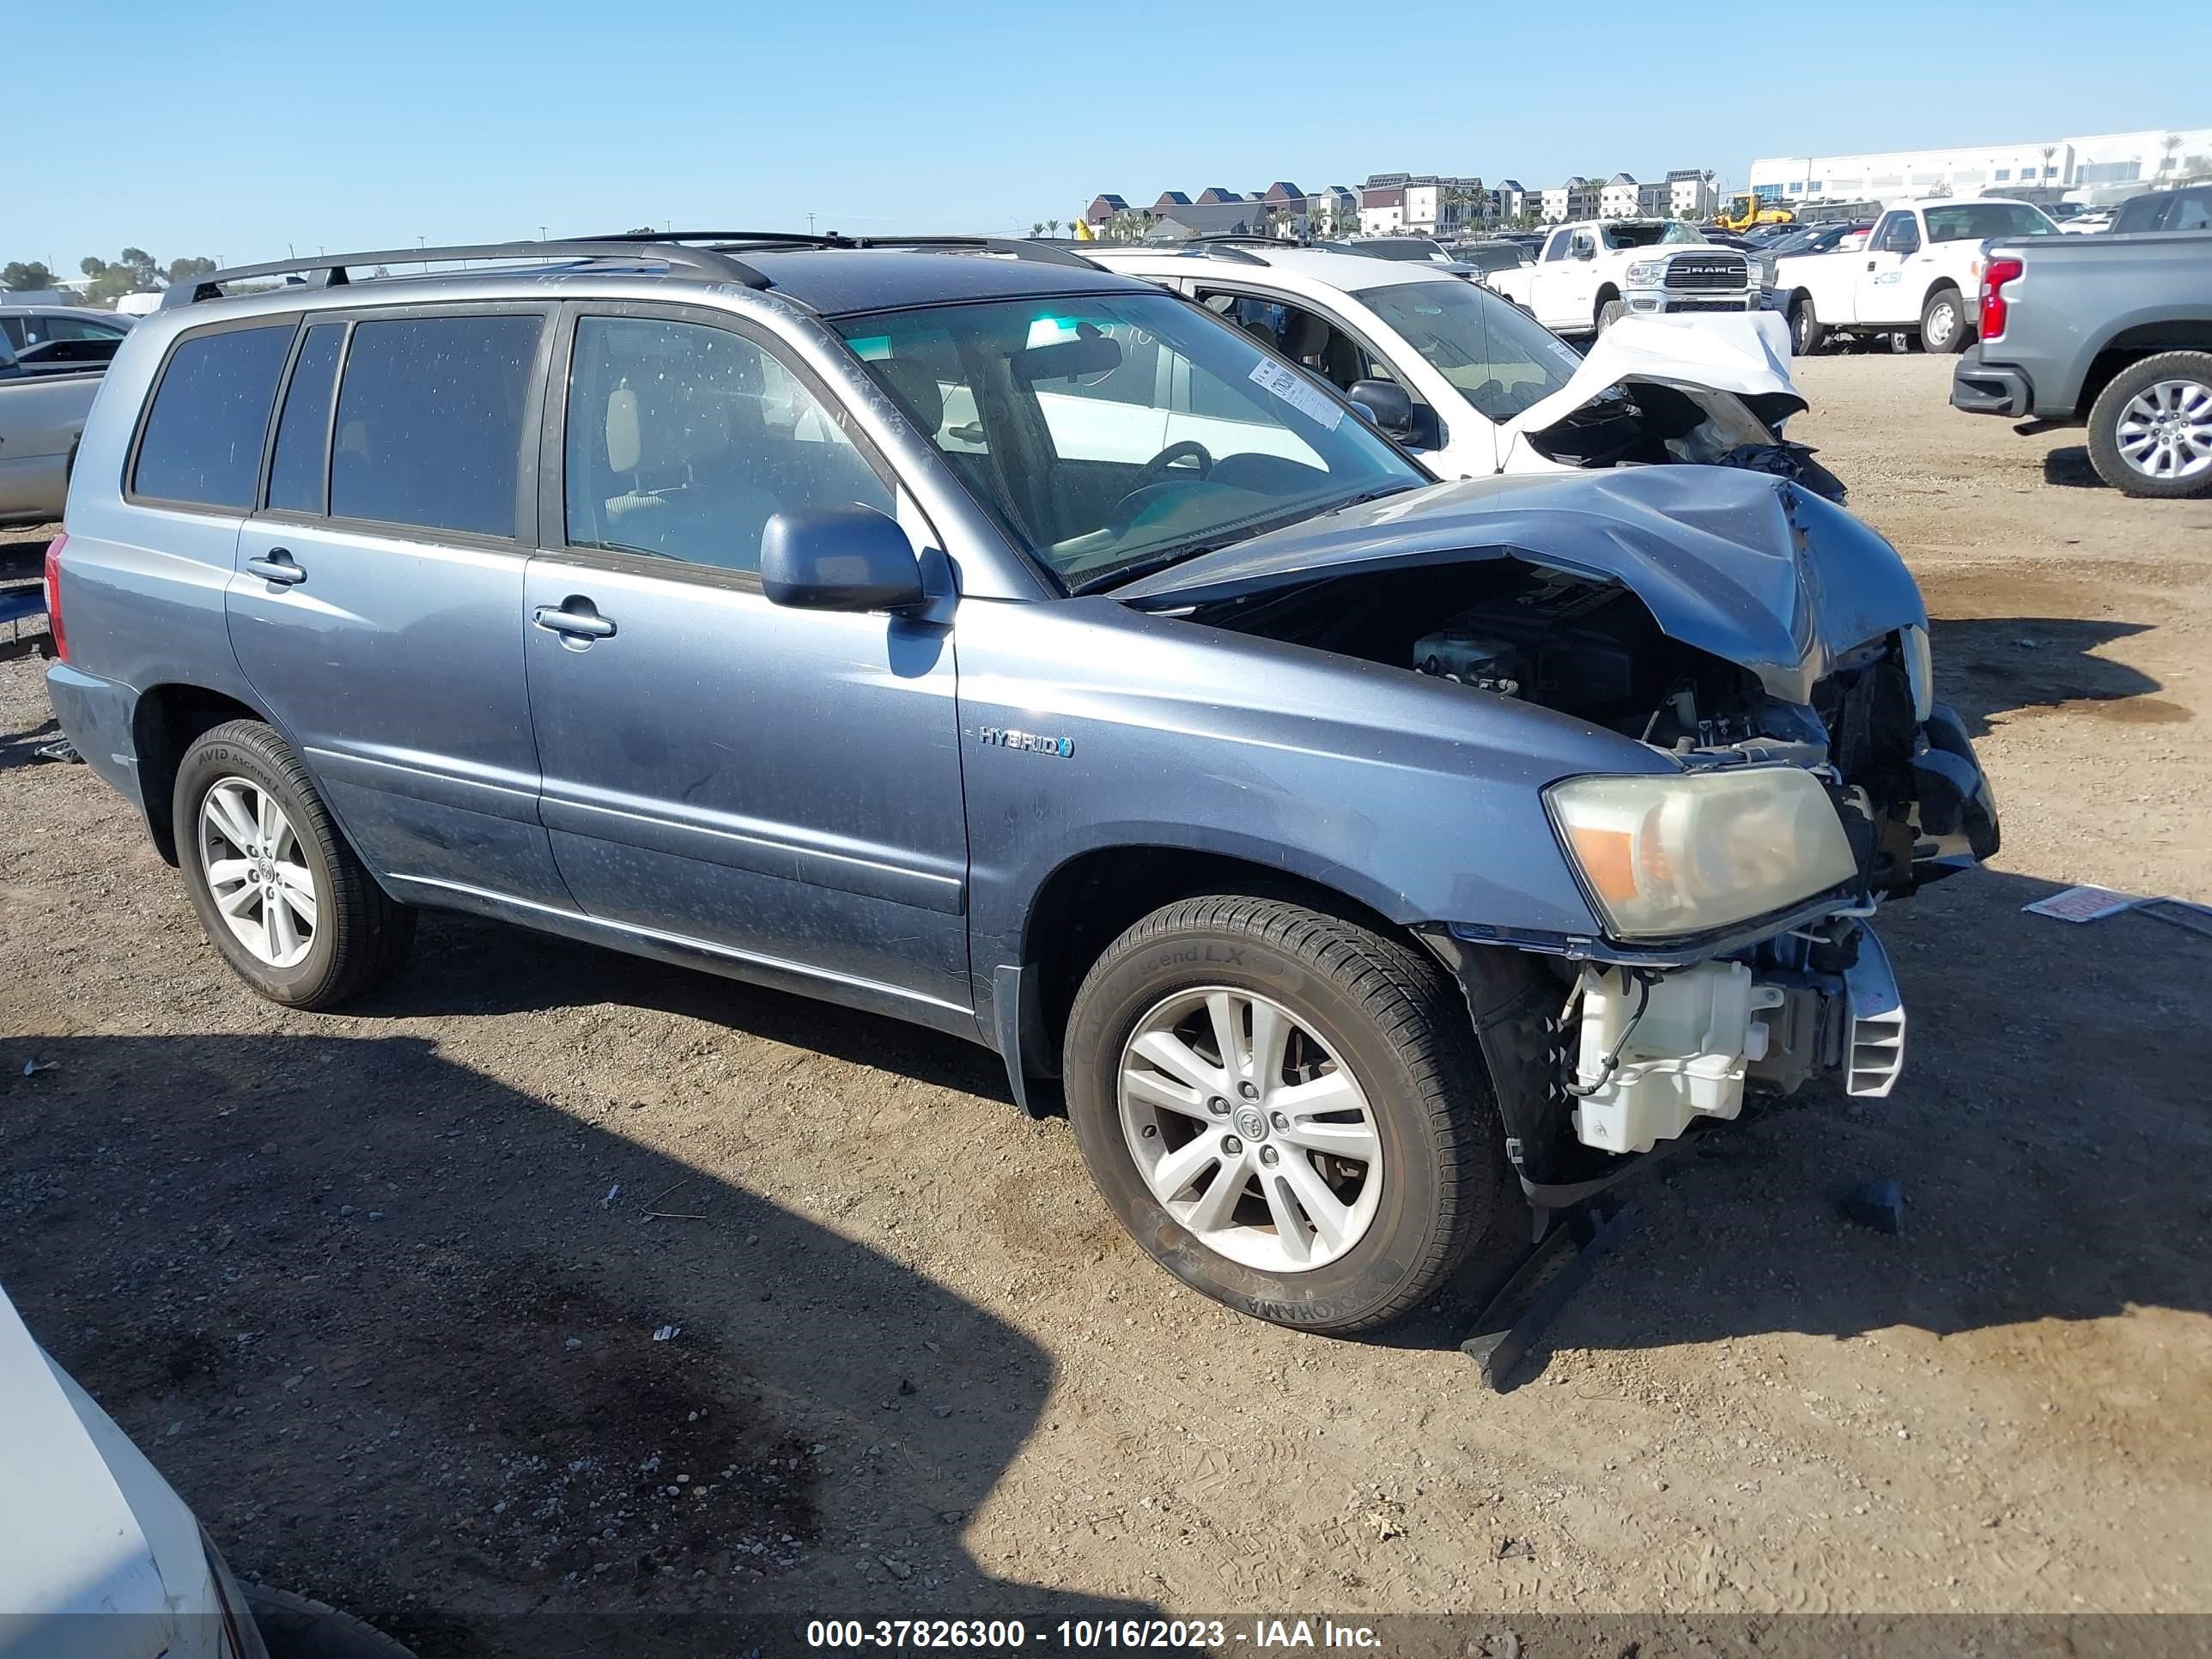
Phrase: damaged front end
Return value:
(1711, 391)
(1776, 651)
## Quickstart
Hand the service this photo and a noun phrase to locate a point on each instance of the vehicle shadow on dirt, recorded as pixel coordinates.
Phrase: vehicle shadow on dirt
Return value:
(462, 966)
(2025, 1197)
(1992, 665)
(488, 1373)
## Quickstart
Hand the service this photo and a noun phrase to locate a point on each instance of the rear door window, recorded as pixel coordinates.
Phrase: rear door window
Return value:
(429, 421)
(297, 472)
(203, 438)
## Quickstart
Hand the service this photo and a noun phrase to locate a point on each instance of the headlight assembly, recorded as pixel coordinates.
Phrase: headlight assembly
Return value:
(1685, 852)
(1646, 273)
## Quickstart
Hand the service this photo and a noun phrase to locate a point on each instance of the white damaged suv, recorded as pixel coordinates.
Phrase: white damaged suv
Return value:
(1476, 386)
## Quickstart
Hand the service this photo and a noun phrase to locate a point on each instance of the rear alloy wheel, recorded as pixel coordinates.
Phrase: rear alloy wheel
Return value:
(280, 893)
(2150, 429)
(1944, 325)
(1285, 1109)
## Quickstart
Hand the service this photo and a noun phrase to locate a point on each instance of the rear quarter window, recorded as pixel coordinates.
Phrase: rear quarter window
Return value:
(201, 443)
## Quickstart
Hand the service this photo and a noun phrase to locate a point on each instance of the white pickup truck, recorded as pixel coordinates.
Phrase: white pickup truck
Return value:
(1918, 274)
(1590, 273)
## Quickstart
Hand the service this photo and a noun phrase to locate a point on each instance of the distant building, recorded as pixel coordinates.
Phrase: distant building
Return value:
(1511, 198)
(1421, 204)
(1103, 209)
(1690, 195)
(2111, 160)
(1577, 199)
(1617, 197)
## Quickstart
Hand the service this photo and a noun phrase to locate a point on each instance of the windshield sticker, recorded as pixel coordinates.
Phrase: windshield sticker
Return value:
(1300, 394)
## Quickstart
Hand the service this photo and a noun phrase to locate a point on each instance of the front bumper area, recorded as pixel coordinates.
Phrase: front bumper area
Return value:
(1664, 302)
(1981, 388)
(1652, 1051)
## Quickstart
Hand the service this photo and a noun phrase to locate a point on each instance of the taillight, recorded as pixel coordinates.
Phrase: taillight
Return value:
(1995, 276)
(54, 594)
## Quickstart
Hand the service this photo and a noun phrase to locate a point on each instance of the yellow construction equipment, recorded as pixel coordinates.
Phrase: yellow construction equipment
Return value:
(1744, 211)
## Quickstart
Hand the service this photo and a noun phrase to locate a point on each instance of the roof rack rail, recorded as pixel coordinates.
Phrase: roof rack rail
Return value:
(1017, 248)
(332, 269)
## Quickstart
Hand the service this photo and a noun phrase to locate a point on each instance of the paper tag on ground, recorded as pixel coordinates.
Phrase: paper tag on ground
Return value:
(2083, 904)
(1300, 394)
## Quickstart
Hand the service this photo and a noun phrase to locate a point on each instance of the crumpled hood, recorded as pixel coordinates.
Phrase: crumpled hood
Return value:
(1747, 354)
(1749, 568)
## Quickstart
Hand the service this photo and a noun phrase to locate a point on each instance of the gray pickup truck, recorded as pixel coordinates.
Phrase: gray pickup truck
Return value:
(2111, 331)
(42, 410)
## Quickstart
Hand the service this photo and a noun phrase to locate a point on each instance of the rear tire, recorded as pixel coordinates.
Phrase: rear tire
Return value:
(1944, 326)
(1806, 331)
(2138, 461)
(1372, 1018)
(280, 893)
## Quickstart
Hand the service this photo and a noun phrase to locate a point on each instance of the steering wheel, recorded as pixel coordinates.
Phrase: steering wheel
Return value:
(1151, 471)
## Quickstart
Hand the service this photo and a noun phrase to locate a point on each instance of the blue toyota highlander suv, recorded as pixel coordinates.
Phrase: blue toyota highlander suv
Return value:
(957, 631)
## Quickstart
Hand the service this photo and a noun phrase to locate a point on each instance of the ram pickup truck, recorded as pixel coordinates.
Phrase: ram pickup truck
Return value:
(42, 412)
(2111, 331)
(1915, 276)
(1591, 273)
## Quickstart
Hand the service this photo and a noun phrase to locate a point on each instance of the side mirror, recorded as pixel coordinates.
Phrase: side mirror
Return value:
(1583, 248)
(1385, 403)
(839, 558)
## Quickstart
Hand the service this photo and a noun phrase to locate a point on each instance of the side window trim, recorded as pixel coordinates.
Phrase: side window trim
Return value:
(129, 482)
(309, 323)
(552, 503)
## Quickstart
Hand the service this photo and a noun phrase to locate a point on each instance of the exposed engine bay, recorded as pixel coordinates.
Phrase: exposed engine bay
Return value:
(1590, 647)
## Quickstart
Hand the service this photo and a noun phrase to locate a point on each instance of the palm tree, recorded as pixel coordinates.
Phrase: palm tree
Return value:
(1053, 225)
(2049, 150)
(1037, 227)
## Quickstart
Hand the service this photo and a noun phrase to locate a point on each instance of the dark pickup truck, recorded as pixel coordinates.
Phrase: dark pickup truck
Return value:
(2113, 333)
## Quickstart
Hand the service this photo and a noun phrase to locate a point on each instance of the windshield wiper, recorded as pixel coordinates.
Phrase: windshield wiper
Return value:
(1115, 575)
(1364, 496)
(1120, 574)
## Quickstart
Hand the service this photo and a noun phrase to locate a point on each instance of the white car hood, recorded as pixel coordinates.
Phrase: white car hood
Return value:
(87, 1526)
(1746, 354)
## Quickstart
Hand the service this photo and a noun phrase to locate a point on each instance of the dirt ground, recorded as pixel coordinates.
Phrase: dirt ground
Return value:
(379, 1292)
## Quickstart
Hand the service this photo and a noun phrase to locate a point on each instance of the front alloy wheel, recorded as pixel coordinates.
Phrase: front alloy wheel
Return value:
(255, 872)
(1249, 1131)
(1285, 1108)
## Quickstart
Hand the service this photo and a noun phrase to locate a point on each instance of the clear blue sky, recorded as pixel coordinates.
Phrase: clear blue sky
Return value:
(231, 131)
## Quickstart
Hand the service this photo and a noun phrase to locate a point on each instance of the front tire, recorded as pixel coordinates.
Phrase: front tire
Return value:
(1943, 324)
(1328, 1073)
(1608, 314)
(2150, 429)
(280, 893)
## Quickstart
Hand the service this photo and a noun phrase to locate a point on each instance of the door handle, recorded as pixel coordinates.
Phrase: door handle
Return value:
(277, 566)
(575, 618)
(1869, 265)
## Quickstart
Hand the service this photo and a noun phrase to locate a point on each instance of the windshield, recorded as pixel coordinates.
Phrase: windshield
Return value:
(1971, 221)
(1499, 356)
(1649, 234)
(1116, 432)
